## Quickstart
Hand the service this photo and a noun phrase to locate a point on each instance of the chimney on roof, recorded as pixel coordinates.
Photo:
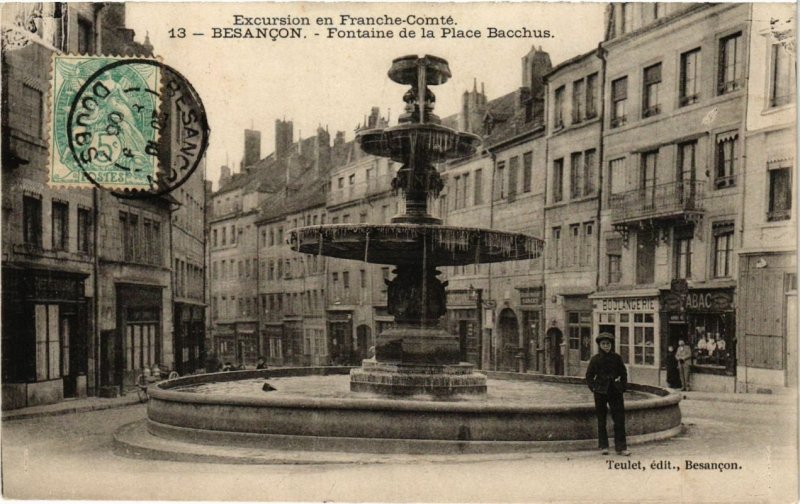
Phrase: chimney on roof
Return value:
(284, 134)
(535, 65)
(224, 175)
(252, 147)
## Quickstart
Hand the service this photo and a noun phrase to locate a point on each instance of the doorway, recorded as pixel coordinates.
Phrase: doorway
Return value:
(508, 340)
(555, 351)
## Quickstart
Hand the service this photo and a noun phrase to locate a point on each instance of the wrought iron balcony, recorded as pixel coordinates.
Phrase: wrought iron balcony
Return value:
(683, 198)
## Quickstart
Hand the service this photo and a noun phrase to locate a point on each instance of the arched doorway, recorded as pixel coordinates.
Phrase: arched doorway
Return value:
(507, 341)
(554, 351)
(364, 341)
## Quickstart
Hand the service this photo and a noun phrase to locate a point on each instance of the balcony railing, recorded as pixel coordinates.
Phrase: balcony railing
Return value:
(662, 201)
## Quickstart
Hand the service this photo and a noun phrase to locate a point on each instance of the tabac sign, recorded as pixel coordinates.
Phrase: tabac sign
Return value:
(700, 300)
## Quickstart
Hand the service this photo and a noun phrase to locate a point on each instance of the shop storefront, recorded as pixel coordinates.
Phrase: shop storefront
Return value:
(45, 337)
(531, 312)
(272, 343)
(138, 336)
(463, 319)
(633, 319)
(705, 319)
(340, 334)
(578, 323)
(189, 340)
(246, 344)
(225, 342)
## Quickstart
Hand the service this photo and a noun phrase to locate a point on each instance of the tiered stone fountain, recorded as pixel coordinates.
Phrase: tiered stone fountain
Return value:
(417, 355)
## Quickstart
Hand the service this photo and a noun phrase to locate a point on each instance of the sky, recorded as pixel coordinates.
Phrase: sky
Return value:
(334, 82)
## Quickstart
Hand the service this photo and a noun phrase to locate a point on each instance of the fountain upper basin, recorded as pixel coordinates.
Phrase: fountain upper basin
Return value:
(406, 243)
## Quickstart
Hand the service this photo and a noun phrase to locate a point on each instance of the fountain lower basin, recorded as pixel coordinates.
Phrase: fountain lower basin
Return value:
(313, 417)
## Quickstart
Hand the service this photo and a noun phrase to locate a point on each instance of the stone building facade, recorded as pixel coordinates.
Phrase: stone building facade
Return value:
(88, 300)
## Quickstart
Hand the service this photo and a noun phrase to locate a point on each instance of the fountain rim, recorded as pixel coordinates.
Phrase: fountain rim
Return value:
(163, 391)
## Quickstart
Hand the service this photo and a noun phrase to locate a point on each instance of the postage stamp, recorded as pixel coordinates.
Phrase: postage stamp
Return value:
(103, 126)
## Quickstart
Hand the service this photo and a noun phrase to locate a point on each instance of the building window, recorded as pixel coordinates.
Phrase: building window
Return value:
(346, 279)
(224, 236)
(626, 18)
(616, 179)
(614, 258)
(556, 248)
(456, 189)
(558, 180)
(780, 194)
(32, 220)
(574, 254)
(214, 240)
(513, 170)
(84, 230)
(687, 164)
(501, 180)
(32, 109)
(651, 104)
(587, 247)
(558, 110)
(591, 96)
(478, 187)
(577, 100)
(351, 180)
(579, 327)
(85, 36)
(723, 248)
(690, 77)
(727, 156)
(682, 252)
(730, 64)
(589, 162)
(647, 178)
(576, 175)
(527, 171)
(619, 101)
(783, 76)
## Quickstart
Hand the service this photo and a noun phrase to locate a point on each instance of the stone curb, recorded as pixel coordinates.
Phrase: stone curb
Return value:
(776, 399)
(21, 414)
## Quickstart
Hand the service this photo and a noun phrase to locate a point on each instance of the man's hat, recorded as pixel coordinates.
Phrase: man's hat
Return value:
(605, 336)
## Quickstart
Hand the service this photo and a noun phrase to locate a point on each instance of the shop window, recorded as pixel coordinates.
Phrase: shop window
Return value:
(712, 340)
(780, 194)
(783, 76)
(558, 108)
(723, 248)
(690, 77)
(32, 220)
(729, 76)
(727, 156)
(637, 338)
(558, 180)
(591, 96)
(682, 253)
(48, 350)
(578, 96)
(619, 102)
(579, 327)
(651, 104)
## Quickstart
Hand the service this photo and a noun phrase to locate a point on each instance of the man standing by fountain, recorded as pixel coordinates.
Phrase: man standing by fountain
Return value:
(607, 378)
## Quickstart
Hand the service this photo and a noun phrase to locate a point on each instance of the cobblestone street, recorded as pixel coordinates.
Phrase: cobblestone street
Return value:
(69, 457)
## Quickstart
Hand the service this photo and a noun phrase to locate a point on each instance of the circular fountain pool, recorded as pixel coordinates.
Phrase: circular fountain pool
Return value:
(313, 409)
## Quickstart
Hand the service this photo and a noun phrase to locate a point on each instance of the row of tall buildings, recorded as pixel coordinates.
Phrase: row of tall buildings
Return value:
(658, 168)
(95, 289)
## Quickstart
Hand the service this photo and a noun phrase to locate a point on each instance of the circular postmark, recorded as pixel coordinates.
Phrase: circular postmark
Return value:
(137, 128)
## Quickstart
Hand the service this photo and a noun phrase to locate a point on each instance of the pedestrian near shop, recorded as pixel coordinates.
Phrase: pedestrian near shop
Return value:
(607, 378)
(684, 356)
(673, 373)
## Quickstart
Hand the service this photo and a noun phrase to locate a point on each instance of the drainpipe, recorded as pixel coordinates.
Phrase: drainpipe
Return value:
(96, 283)
(601, 53)
(173, 297)
(743, 185)
(488, 341)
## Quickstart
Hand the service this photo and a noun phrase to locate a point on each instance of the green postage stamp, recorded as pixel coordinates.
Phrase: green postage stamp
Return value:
(104, 122)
